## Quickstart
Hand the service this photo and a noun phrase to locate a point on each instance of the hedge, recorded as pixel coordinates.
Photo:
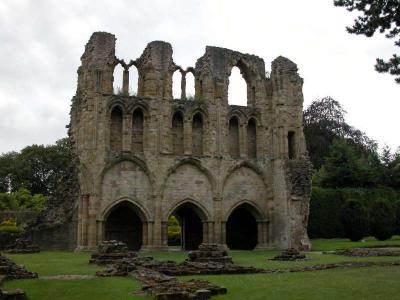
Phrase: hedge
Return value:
(325, 207)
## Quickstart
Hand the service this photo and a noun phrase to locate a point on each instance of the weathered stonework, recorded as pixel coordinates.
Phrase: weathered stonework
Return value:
(233, 174)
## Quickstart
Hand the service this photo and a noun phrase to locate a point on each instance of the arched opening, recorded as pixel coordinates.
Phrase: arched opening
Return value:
(176, 85)
(116, 129)
(118, 79)
(133, 81)
(237, 89)
(124, 224)
(251, 138)
(190, 219)
(137, 131)
(241, 229)
(234, 149)
(177, 133)
(190, 83)
(197, 135)
(291, 145)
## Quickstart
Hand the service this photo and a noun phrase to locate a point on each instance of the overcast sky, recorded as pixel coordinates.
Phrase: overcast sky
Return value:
(42, 41)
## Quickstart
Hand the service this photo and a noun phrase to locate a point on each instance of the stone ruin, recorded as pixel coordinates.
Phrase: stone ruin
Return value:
(22, 245)
(10, 270)
(111, 252)
(237, 175)
(370, 251)
(158, 277)
(289, 255)
(210, 253)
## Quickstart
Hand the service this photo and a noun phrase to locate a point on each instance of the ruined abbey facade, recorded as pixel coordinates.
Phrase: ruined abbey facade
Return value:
(232, 175)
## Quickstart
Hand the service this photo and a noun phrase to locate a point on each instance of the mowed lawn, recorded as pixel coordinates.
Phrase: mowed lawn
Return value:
(359, 283)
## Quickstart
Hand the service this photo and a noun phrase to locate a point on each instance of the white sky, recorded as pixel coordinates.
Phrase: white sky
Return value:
(42, 41)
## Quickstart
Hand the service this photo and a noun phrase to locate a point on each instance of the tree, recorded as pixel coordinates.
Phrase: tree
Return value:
(382, 220)
(341, 168)
(324, 121)
(354, 219)
(377, 15)
(37, 168)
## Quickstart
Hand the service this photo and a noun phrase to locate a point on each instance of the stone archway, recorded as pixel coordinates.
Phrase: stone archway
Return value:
(191, 219)
(242, 229)
(124, 222)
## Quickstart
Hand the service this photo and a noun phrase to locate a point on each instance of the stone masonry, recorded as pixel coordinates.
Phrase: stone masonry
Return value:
(233, 175)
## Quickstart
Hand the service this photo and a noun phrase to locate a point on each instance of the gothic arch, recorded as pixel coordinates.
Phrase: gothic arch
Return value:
(141, 211)
(116, 102)
(133, 159)
(125, 220)
(251, 206)
(200, 209)
(246, 164)
(196, 163)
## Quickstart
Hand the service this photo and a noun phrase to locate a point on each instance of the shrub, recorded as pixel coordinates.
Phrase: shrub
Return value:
(9, 226)
(325, 215)
(174, 232)
(354, 219)
(382, 220)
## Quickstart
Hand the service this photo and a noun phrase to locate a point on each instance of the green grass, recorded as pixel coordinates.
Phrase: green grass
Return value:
(364, 283)
(358, 283)
(334, 244)
(56, 263)
(118, 288)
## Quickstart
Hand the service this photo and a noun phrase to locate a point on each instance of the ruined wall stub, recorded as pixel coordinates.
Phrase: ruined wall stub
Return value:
(155, 181)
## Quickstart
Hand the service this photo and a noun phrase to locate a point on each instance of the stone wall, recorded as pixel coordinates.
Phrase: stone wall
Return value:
(160, 154)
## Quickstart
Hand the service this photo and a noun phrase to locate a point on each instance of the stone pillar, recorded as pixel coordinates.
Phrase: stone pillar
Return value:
(187, 136)
(145, 234)
(222, 239)
(92, 226)
(164, 235)
(126, 132)
(125, 82)
(242, 141)
(205, 232)
(211, 237)
(183, 86)
(85, 220)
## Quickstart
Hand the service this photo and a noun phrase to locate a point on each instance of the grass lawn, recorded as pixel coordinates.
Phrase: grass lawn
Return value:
(335, 244)
(361, 283)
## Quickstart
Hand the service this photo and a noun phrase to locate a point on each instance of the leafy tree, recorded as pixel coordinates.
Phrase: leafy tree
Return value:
(38, 168)
(22, 199)
(377, 15)
(382, 220)
(7, 170)
(354, 219)
(341, 168)
(324, 121)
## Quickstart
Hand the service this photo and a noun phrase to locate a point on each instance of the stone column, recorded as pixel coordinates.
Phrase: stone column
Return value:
(183, 86)
(92, 226)
(164, 235)
(187, 136)
(242, 141)
(205, 232)
(222, 239)
(144, 234)
(127, 132)
(125, 82)
(85, 220)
